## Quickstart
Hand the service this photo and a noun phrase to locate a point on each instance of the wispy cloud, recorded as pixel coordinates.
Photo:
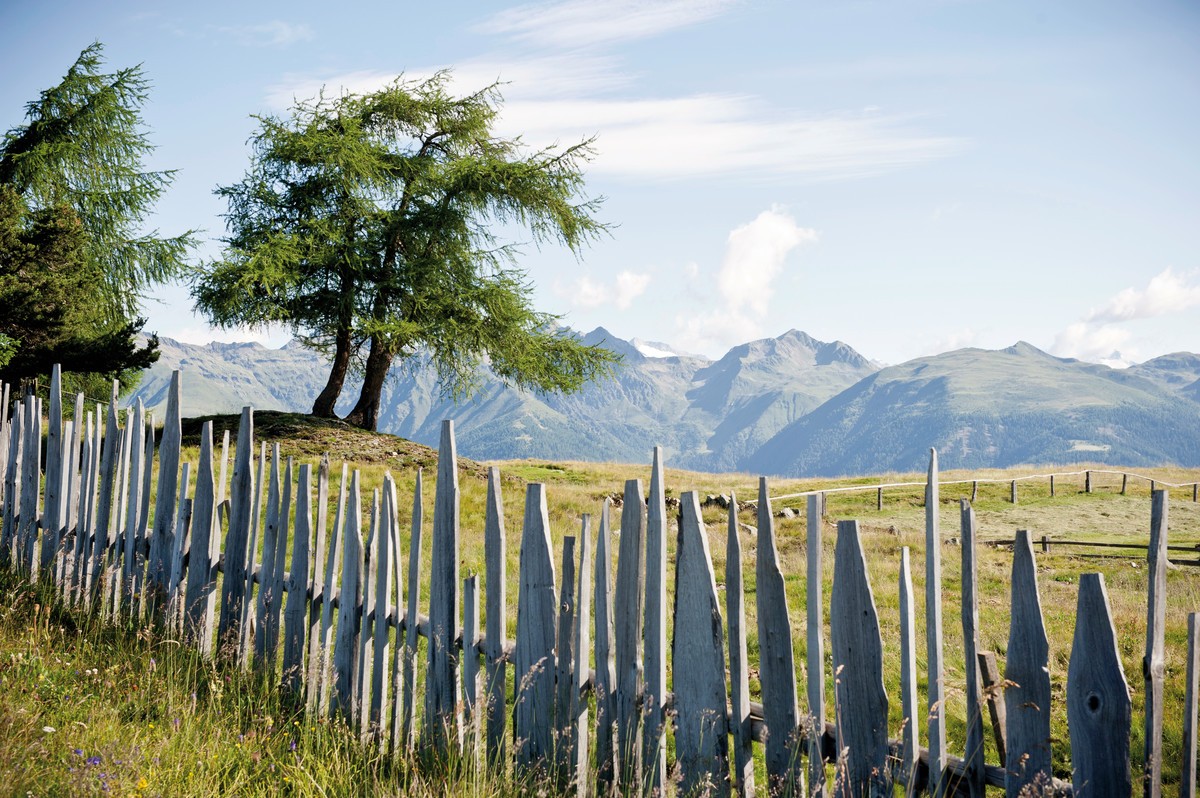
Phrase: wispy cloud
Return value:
(755, 254)
(588, 293)
(580, 23)
(275, 33)
(1101, 335)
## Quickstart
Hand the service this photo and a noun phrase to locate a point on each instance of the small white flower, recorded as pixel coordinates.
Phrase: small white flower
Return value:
(49, 729)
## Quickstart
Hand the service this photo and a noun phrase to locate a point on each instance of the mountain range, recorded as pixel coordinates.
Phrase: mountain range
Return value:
(790, 405)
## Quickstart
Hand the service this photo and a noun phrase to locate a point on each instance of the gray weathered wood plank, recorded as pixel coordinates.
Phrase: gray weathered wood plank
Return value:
(53, 505)
(533, 706)
(345, 653)
(933, 630)
(249, 620)
(396, 599)
(1027, 699)
(266, 589)
(319, 597)
(858, 665)
(579, 732)
(564, 654)
(777, 669)
(136, 474)
(443, 711)
(180, 533)
(973, 753)
(654, 630)
(815, 631)
(381, 664)
(627, 638)
(295, 629)
(993, 688)
(1191, 708)
(495, 561)
(1099, 711)
(412, 610)
(698, 662)
(910, 744)
(199, 586)
(278, 585)
(470, 670)
(161, 537)
(739, 661)
(366, 629)
(606, 674)
(233, 585)
(333, 567)
(1154, 662)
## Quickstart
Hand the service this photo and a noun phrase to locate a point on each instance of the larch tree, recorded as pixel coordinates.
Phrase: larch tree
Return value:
(367, 224)
(75, 196)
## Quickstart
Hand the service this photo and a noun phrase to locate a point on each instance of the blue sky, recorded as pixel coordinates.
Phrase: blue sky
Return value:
(909, 177)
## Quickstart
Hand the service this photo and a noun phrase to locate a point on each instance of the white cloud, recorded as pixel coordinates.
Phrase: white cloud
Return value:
(589, 293)
(578, 23)
(755, 254)
(1101, 335)
(1166, 293)
(275, 33)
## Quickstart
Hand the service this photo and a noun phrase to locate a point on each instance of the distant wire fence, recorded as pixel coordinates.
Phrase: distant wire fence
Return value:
(339, 621)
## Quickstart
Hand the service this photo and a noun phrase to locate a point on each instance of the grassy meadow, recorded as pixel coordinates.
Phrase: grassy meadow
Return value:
(133, 713)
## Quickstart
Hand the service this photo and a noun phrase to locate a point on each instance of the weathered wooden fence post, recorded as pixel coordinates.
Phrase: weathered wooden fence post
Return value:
(412, 611)
(382, 568)
(816, 643)
(654, 652)
(739, 661)
(933, 629)
(294, 627)
(862, 730)
(1191, 702)
(606, 674)
(1099, 711)
(973, 754)
(52, 509)
(785, 771)
(993, 686)
(1027, 699)
(698, 662)
(580, 727)
(443, 712)
(495, 559)
(168, 485)
(201, 580)
(564, 680)
(470, 671)
(628, 640)
(1153, 664)
(533, 711)
(332, 568)
(318, 597)
(345, 652)
(233, 585)
(910, 740)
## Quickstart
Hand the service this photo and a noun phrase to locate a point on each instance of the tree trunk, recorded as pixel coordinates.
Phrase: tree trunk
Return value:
(323, 407)
(366, 413)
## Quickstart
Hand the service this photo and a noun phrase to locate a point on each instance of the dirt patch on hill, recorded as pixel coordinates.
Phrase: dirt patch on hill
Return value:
(305, 436)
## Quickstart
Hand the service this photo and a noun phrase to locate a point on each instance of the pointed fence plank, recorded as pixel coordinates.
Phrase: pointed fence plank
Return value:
(698, 662)
(654, 652)
(443, 711)
(412, 610)
(266, 589)
(319, 598)
(382, 568)
(31, 476)
(910, 745)
(628, 638)
(858, 668)
(12, 484)
(1154, 662)
(1027, 699)
(366, 628)
(777, 667)
(564, 651)
(533, 706)
(391, 732)
(739, 661)
(973, 754)
(345, 654)
(295, 628)
(578, 735)
(278, 587)
(136, 474)
(200, 560)
(168, 486)
(249, 619)
(141, 541)
(233, 585)
(1099, 711)
(333, 568)
(495, 560)
(53, 504)
(104, 504)
(470, 669)
(85, 498)
(606, 674)
(815, 638)
(173, 598)
(1191, 704)
(934, 655)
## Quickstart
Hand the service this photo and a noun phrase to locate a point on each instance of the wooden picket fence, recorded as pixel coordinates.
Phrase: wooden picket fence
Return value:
(339, 619)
